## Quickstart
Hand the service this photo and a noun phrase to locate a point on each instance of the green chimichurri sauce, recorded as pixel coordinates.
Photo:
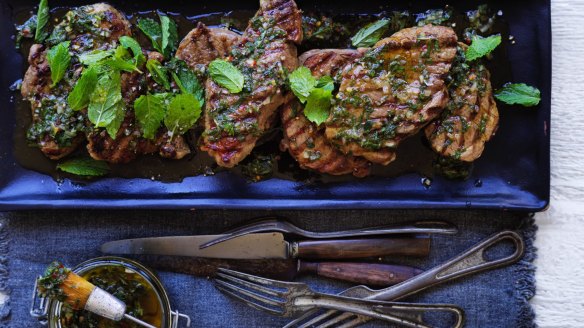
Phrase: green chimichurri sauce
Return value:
(81, 26)
(126, 285)
(322, 30)
(49, 284)
(256, 74)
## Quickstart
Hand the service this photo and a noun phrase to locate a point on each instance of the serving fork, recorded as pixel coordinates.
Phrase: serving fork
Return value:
(290, 299)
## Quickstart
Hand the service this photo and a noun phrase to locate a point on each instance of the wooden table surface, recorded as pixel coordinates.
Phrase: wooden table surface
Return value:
(559, 300)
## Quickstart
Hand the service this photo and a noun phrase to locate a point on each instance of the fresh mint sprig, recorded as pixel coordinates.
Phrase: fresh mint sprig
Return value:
(226, 75)
(481, 47)
(163, 35)
(43, 16)
(519, 94)
(183, 112)
(317, 94)
(158, 72)
(318, 105)
(370, 34)
(59, 60)
(106, 107)
(84, 166)
(302, 83)
(150, 112)
(79, 96)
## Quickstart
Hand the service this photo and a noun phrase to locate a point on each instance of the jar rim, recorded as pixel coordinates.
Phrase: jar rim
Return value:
(149, 276)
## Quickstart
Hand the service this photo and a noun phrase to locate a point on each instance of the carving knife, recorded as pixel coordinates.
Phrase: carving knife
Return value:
(270, 246)
(263, 246)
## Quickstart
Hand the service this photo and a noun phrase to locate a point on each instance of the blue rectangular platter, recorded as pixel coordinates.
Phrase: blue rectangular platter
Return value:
(512, 174)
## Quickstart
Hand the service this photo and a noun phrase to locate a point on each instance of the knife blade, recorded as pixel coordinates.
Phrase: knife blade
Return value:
(270, 246)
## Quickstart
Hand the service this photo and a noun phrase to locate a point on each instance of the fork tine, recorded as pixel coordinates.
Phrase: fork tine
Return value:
(252, 285)
(227, 290)
(325, 319)
(249, 293)
(314, 316)
(260, 280)
(338, 319)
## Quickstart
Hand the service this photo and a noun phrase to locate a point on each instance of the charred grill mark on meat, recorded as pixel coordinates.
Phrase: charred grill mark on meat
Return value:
(202, 45)
(56, 128)
(416, 79)
(129, 143)
(391, 93)
(471, 116)
(266, 52)
(304, 140)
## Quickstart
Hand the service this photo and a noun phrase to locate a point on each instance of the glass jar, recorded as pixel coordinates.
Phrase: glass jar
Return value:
(49, 311)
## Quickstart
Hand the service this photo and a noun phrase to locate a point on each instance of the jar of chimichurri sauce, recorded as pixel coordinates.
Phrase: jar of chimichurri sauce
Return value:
(131, 282)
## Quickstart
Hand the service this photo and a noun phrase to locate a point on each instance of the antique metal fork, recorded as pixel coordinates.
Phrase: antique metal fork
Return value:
(281, 225)
(292, 298)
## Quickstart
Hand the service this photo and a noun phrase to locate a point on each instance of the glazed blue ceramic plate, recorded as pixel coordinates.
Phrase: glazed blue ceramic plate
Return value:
(513, 173)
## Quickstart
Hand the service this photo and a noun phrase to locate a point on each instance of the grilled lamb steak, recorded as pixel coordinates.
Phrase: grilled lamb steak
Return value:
(129, 143)
(198, 48)
(267, 50)
(203, 45)
(471, 116)
(304, 140)
(56, 128)
(392, 92)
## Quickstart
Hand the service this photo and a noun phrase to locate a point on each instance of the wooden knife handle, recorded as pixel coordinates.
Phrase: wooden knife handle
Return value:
(370, 274)
(361, 248)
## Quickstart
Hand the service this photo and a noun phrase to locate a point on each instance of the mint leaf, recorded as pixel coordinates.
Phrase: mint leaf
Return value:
(79, 96)
(189, 83)
(42, 20)
(302, 83)
(165, 97)
(481, 47)
(122, 65)
(84, 167)
(226, 75)
(317, 106)
(169, 35)
(183, 112)
(326, 82)
(186, 79)
(149, 111)
(122, 53)
(59, 60)
(122, 61)
(370, 34)
(95, 56)
(119, 114)
(105, 101)
(130, 43)
(519, 94)
(153, 31)
(158, 73)
(317, 94)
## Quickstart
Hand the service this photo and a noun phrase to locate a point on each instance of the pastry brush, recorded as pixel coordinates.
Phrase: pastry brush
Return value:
(62, 284)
